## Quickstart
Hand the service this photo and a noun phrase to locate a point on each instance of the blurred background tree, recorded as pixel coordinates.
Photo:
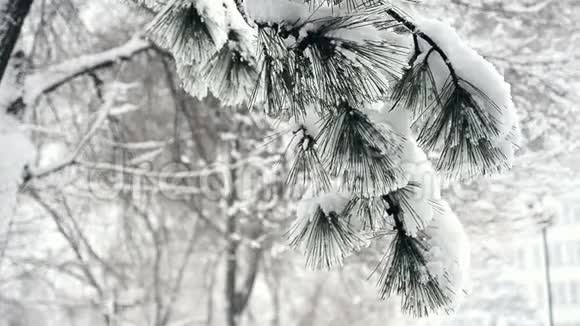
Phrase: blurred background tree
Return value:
(131, 220)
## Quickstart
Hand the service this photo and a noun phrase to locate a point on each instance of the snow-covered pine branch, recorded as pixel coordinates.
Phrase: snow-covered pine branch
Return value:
(463, 104)
(354, 77)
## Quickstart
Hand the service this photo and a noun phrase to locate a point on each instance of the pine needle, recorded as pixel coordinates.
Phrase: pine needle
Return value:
(464, 130)
(325, 239)
(191, 38)
(364, 156)
(404, 272)
(308, 168)
(230, 71)
(368, 212)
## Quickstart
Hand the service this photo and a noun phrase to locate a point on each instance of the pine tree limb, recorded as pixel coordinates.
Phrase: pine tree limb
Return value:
(405, 272)
(413, 29)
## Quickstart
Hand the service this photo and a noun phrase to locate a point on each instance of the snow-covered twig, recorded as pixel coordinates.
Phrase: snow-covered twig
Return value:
(49, 79)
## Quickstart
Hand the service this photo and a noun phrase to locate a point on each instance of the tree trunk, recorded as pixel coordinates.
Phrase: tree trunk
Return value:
(232, 249)
(12, 14)
(231, 270)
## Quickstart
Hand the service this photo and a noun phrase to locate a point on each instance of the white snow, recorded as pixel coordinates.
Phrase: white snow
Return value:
(311, 122)
(277, 11)
(51, 153)
(16, 152)
(332, 202)
(284, 12)
(216, 18)
(416, 166)
(449, 254)
(36, 84)
(329, 202)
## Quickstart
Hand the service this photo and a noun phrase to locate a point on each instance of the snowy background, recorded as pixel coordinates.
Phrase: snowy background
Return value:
(126, 221)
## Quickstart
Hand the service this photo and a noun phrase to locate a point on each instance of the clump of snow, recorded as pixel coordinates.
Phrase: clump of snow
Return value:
(331, 202)
(246, 34)
(418, 211)
(214, 16)
(50, 154)
(422, 181)
(310, 121)
(448, 258)
(16, 152)
(297, 14)
(277, 11)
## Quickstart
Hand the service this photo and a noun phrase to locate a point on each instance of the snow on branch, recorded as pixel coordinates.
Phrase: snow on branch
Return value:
(52, 77)
(17, 169)
(17, 153)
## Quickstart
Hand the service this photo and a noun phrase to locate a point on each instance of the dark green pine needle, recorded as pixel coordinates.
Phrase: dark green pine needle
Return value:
(464, 128)
(307, 167)
(325, 239)
(281, 75)
(325, 66)
(181, 29)
(404, 273)
(348, 5)
(416, 90)
(364, 156)
(368, 212)
(230, 71)
(338, 77)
